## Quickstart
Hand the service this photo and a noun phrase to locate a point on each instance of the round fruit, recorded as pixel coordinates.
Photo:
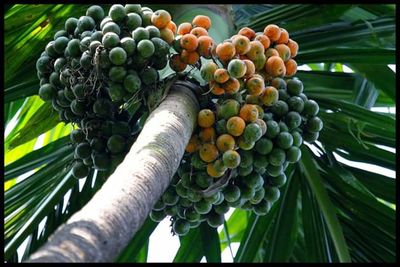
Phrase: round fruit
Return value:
(262, 207)
(101, 161)
(297, 139)
(243, 171)
(149, 76)
(294, 87)
(102, 108)
(117, 73)
(133, 21)
(252, 132)
(207, 71)
(145, 48)
(229, 108)
(116, 144)
(231, 159)
(269, 96)
(246, 158)
(293, 154)
(47, 92)
(222, 208)
(157, 215)
(231, 193)
(118, 56)
(161, 47)
(181, 227)
(111, 27)
(117, 12)
(132, 82)
(80, 170)
(70, 25)
(208, 152)
(225, 142)
(83, 150)
(311, 108)
(160, 18)
(213, 172)
(284, 140)
(293, 120)
(258, 197)
(314, 124)
(277, 156)
(272, 194)
(264, 146)
(237, 68)
(295, 103)
(272, 129)
(280, 108)
(249, 113)
(140, 34)
(110, 40)
(202, 207)
(274, 170)
(214, 220)
(245, 144)
(260, 162)
(278, 181)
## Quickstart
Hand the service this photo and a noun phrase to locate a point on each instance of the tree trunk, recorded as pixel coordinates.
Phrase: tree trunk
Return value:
(102, 228)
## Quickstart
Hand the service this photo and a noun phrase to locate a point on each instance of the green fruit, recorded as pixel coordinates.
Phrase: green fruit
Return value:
(236, 68)
(221, 198)
(83, 150)
(118, 56)
(146, 17)
(219, 165)
(121, 128)
(229, 108)
(88, 162)
(253, 180)
(192, 215)
(79, 91)
(246, 192)
(311, 108)
(283, 95)
(260, 162)
(176, 44)
(133, 21)
(294, 87)
(310, 137)
(284, 140)
(181, 191)
(220, 127)
(280, 108)
(278, 181)
(101, 161)
(237, 204)
(110, 40)
(80, 170)
(78, 108)
(295, 103)
(47, 92)
(145, 48)
(197, 163)
(116, 91)
(149, 76)
(159, 63)
(96, 12)
(43, 64)
(293, 154)
(272, 129)
(117, 73)
(116, 144)
(60, 44)
(272, 194)
(86, 60)
(117, 13)
(297, 139)
(50, 51)
(60, 33)
(278, 83)
(159, 205)
(140, 34)
(111, 27)
(59, 64)
(161, 47)
(246, 158)
(157, 215)
(304, 97)
(102, 108)
(277, 157)
(86, 23)
(214, 220)
(231, 159)
(245, 144)
(61, 100)
(153, 31)
(203, 180)
(86, 34)
(293, 120)
(202, 207)
(70, 25)
(129, 45)
(73, 48)
(54, 79)
(221, 208)
(170, 197)
(194, 196)
(314, 124)
(77, 136)
(243, 171)
(97, 144)
(137, 8)
(231, 193)
(264, 146)
(262, 208)
(252, 132)
(181, 227)
(258, 197)
(171, 210)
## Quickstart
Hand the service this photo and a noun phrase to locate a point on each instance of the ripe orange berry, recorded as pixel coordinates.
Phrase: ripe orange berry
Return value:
(225, 142)
(250, 68)
(270, 96)
(208, 152)
(193, 144)
(256, 49)
(205, 45)
(205, 118)
(202, 21)
(167, 35)
(291, 67)
(249, 112)
(271, 52)
(293, 46)
(241, 43)
(264, 40)
(213, 172)
(284, 38)
(172, 26)
(275, 66)
(246, 31)
(273, 32)
(225, 51)
(189, 42)
(284, 51)
(255, 85)
(190, 58)
(208, 135)
(160, 18)
(221, 75)
(216, 88)
(199, 31)
(176, 63)
(231, 86)
(235, 126)
(184, 28)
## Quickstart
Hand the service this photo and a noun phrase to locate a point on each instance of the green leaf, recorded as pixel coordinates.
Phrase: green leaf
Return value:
(237, 224)
(210, 243)
(310, 171)
(21, 90)
(188, 252)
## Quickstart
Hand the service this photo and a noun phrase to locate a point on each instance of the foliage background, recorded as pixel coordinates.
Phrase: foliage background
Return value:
(328, 211)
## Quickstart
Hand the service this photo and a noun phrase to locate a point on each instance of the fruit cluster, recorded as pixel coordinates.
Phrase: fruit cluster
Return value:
(245, 141)
(95, 68)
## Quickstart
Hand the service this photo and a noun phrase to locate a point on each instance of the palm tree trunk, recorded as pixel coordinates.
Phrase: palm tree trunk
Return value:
(101, 229)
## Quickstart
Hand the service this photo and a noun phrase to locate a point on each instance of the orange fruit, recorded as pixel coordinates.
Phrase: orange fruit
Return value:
(202, 21)
(249, 112)
(199, 31)
(225, 51)
(205, 118)
(172, 26)
(250, 68)
(284, 51)
(205, 44)
(284, 38)
(235, 126)
(184, 28)
(255, 85)
(167, 35)
(213, 172)
(216, 88)
(207, 135)
(193, 144)
(225, 142)
(275, 66)
(273, 32)
(270, 96)
(293, 46)
(208, 152)
(246, 31)
(189, 42)
(264, 40)
(271, 52)
(242, 44)
(291, 67)
(160, 18)
(231, 86)
(221, 75)
(190, 58)
(260, 111)
(256, 49)
(176, 63)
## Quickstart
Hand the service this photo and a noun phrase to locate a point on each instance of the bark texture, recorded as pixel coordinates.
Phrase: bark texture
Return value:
(101, 229)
